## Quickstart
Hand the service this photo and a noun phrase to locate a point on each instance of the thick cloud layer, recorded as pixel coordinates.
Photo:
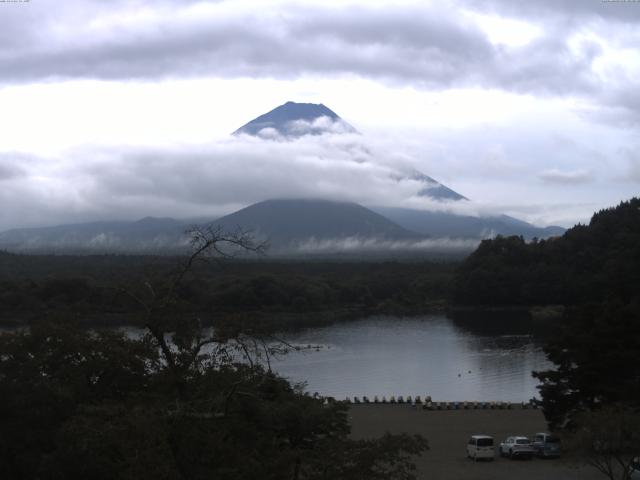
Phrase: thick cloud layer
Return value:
(581, 52)
(576, 50)
(571, 10)
(208, 180)
(420, 44)
(568, 177)
(213, 179)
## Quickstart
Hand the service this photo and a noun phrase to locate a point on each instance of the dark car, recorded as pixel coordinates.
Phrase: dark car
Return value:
(546, 445)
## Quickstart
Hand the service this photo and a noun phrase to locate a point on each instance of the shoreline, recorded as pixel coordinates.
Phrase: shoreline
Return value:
(427, 404)
(284, 320)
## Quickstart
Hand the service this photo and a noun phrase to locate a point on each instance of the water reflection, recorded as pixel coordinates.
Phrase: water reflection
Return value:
(428, 355)
(431, 355)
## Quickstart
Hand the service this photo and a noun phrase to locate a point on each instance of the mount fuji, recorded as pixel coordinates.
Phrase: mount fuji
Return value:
(294, 120)
(289, 224)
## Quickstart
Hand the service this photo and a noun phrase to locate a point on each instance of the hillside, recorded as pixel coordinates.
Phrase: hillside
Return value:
(146, 234)
(593, 262)
(290, 226)
(292, 223)
(445, 224)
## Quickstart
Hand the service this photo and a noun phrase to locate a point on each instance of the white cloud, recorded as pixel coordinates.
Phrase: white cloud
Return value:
(505, 31)
(632, 155)
(124, 109)
(424, 45)
(357, 244)
(571, 177)
(215, 178)
(211, 179)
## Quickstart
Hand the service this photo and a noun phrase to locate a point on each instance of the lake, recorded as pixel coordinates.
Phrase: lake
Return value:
(477, 358)
(427, 355)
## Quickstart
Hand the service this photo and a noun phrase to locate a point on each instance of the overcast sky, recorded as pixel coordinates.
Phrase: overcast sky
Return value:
(122, 109)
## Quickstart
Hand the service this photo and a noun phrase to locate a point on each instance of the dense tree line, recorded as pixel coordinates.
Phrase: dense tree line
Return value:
(182, 402)
(588, 263)
(76, 404)
(592, 394)
(595, 350)
(90, 287)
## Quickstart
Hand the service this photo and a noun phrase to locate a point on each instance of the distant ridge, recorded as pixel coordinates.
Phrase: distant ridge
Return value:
(146, 234)
(294, 120)
(445, 224)
(289, 225)
(286, 223)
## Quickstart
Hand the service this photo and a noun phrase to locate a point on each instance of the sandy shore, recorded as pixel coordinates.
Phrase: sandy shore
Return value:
(448, 432)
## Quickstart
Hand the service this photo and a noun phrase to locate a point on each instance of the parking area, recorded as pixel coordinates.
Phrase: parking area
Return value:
(448, 432)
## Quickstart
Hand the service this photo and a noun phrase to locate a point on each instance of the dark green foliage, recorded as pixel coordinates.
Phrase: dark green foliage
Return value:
(77, 404)
(47, 373)
(595, 352)
(90, 287)
(594, 270)
(180, 403)
(588, 263)
(596, 345)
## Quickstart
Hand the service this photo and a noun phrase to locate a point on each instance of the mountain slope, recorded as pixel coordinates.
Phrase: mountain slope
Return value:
(445, 224)
(435, 189)
(286, 224)
(146, 234)
(294, 120)
(289, 222)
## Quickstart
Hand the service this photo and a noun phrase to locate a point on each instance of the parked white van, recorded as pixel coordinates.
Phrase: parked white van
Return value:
(480, 446)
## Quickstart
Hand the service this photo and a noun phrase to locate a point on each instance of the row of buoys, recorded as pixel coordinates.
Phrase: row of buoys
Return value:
(417, 400)
(472, 406)
(428, 404)
(478, 405)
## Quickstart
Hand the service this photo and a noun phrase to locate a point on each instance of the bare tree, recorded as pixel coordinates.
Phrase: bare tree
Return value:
(186, 347)
(157, 296)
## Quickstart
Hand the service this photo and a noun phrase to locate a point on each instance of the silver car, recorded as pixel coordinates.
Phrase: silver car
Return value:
(517, 447)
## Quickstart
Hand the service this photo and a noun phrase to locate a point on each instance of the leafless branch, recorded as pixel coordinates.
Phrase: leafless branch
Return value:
(266, 354)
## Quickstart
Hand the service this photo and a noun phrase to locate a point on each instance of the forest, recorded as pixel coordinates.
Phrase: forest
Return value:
(592, 394)
(590, 262)
(92, 288)
(84, 403)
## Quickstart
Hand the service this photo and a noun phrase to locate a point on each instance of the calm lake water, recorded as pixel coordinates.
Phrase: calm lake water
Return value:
(476, 358)
(429, 355)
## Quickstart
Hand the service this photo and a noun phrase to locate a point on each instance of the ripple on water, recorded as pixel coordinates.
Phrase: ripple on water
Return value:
(414, 356)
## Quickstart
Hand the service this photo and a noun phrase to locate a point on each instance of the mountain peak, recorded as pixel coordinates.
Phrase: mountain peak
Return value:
(293, 120)
(287, 222)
